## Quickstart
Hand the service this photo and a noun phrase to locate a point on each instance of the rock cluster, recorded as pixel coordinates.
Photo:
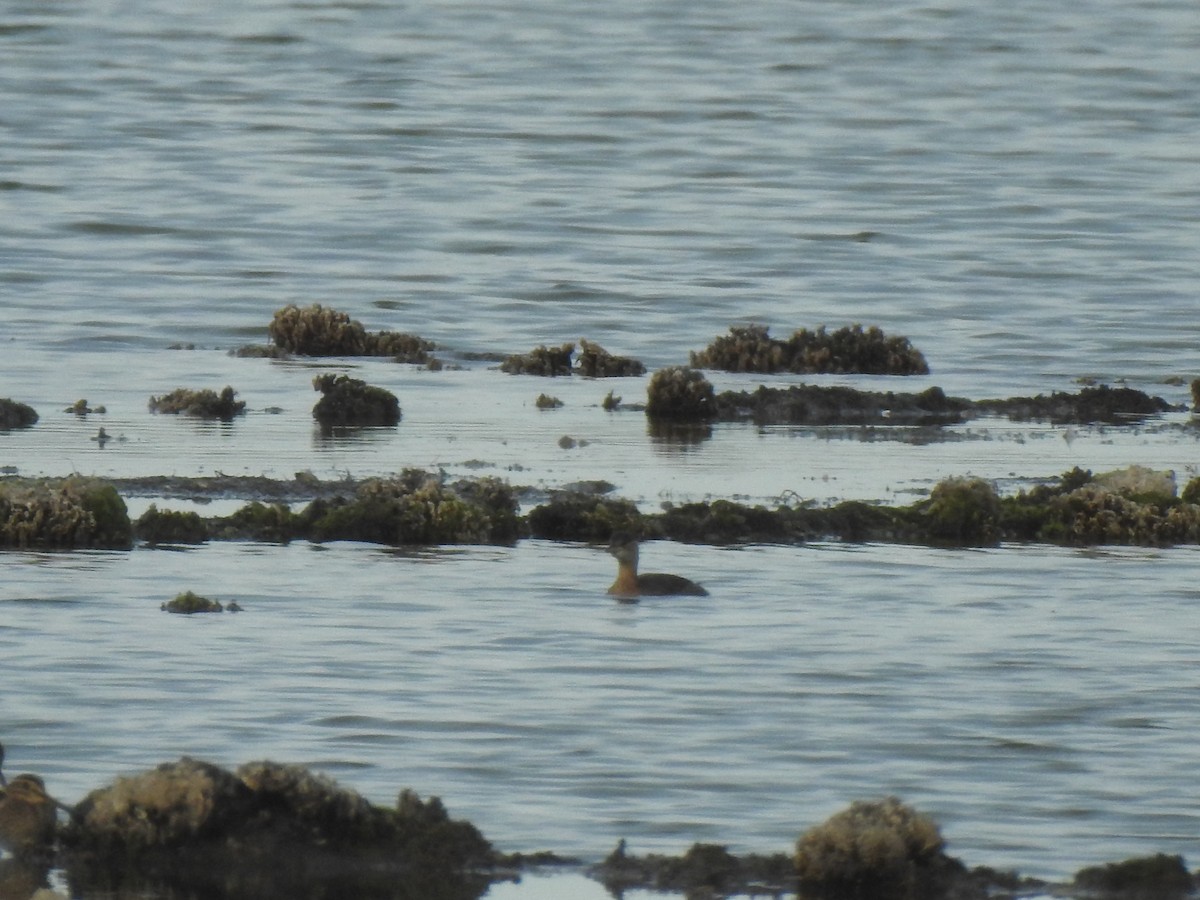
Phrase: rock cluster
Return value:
(202, 404)
(321, 331)
(851, 349)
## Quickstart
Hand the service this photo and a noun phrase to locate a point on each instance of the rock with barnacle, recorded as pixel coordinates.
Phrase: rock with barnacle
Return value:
(680, 394)
(881, 849)
(264, 814)
(347, 401)
(847, 350)
(73, 513)
(14, 414)
(322, 331)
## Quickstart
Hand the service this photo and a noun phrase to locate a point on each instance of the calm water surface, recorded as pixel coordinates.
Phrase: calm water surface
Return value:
(1012, 187)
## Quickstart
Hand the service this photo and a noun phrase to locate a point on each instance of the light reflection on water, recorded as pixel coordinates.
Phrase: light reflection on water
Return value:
(1004, 702)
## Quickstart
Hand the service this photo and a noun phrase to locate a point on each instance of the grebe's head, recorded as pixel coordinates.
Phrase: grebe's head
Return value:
(624, 546)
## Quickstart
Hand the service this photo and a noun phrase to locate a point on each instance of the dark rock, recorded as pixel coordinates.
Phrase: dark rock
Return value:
(347, 401)
(203, 404)
(850, 349)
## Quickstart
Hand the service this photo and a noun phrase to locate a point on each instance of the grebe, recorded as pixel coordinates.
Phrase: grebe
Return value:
(629, 583)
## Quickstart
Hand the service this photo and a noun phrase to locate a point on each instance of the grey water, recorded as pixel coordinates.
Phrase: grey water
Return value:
(1013, 187)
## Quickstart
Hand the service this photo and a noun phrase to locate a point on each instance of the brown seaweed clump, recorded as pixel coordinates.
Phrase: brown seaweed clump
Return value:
(848, 350)
(203, 404)
(168, 526)
(680, 394)
(596, 362)
(75, 513)
(542, 360)
(1158, 877)
(415, 507)
(347, 401)
(321, 331)
(809, 404)
(545, 401)
(880, 849)
(14, 414)
(964, 512)
(188, 603)
(1092, 405)
(582, 516)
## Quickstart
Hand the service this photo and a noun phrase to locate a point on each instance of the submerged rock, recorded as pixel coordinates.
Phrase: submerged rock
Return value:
(1158, 877)
(203, 404)
(808, 404)
(705, 870)
(73, 513)
(188, 603)
(847, 350)
(347, 401)
(321, 331)
(1092, 405)
(14, 414)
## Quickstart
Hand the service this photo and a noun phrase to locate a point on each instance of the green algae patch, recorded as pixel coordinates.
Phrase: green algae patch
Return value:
(14, 414)
(680, 394)
(167, 526)
(847, 350)
(201, 404)
(189, 603)
(322, 331)
(75, 513)
(416, 507)
(351, 402)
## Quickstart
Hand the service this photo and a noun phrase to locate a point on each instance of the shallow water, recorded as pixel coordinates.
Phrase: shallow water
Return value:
(1005, 692)
(1012, 188)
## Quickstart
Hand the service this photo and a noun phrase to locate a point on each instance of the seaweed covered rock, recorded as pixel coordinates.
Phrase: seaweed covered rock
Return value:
(202, 404)
(1158, 877)
(168, 526)
(266, 811)
(582, 516)
(415, 507)
(75, 513)
(964, 512)
(705, 870)
(542, 360)
(347, 401)
(189, 603)
(847, 350)
(881, 849)
(321, 331)
(680, 394)
(596, 362)
(14, 414)
(808, 404)
(1092, 405)
(256, 521)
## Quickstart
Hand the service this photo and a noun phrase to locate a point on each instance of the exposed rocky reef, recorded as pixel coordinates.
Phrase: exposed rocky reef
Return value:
(593, 362)
(268, 829)
(351, 402)
(683, 394)
(14, 414)
(321, 331)
(1133, 506)
(847, 350)
(71, 513)
(202, 404)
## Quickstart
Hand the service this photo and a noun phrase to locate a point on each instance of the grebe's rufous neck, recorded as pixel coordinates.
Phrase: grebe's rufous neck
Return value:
(629, 583)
